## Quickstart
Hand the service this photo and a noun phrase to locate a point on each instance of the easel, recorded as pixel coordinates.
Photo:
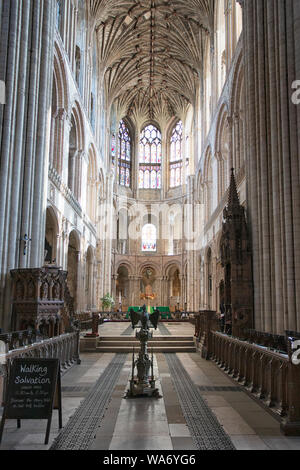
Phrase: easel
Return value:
(52, 394)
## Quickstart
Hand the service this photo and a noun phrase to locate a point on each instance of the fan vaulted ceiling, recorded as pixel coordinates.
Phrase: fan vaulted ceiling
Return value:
(151, 53)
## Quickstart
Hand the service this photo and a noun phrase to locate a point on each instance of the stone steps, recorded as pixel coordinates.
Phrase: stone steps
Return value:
(154, 339)
(123, 344)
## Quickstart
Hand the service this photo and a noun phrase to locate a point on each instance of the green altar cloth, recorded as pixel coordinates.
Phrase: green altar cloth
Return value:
(164, 311)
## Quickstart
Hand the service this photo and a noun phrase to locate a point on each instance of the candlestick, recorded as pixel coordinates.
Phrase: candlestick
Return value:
(152, 376)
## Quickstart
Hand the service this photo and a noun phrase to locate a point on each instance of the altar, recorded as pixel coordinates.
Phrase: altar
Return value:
(165, 313)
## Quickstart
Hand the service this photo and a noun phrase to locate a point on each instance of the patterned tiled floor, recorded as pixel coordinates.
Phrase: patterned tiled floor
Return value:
(155, 423)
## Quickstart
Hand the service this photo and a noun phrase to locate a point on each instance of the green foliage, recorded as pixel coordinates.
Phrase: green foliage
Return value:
(107, 302)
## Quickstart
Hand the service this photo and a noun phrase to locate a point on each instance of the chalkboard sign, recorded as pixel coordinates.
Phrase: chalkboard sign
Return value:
(31, 391)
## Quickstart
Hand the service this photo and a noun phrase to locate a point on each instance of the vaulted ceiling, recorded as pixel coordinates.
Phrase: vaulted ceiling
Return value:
(151, 53)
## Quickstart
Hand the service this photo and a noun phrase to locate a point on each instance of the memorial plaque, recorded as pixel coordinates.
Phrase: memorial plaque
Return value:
(31, 391)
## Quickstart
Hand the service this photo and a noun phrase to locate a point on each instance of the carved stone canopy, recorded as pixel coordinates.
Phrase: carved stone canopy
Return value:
(37, 296)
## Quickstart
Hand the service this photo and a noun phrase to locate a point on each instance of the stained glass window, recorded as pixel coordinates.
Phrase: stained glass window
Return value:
(149, 237)
(176, 156)
(150, 158)
(124, 156)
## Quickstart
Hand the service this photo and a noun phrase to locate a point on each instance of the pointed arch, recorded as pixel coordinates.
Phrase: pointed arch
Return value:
(59, 109)
(124, 154)
(150, 157)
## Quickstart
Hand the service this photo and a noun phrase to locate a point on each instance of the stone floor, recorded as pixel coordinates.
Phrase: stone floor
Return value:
(155, 424)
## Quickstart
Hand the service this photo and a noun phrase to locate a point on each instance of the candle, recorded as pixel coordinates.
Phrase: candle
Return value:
(120, 298)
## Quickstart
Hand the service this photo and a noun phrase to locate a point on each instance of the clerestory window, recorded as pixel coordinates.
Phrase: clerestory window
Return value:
(150, 157)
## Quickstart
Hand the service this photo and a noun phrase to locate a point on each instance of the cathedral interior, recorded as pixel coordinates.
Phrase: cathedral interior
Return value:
(149, 155)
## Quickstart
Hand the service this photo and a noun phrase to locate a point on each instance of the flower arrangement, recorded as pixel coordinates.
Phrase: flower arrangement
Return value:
(107, 302)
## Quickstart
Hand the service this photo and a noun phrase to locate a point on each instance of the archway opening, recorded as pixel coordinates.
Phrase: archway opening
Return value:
(73, 263)
(51, 234)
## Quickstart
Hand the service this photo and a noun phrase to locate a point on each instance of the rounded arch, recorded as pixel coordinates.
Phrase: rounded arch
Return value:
(90, 252)
(78, 119)
(149, 237)
(59, 109)
(51, 235)
(148, 264)
(173, 275)
(222, 116)
(127, 265)
(74, 235)
(171, 265)
(237, 82)
(60, 75)
(122, 285)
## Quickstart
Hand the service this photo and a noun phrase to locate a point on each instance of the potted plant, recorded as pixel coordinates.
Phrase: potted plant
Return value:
(107, 302)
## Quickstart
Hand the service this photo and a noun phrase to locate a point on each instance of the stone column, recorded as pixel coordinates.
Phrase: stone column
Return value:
(109, 220)
(26, 67)
(114, 278)
(42, 146)
(236, 143)
(228, 29)
(67, 125)
(271, 38)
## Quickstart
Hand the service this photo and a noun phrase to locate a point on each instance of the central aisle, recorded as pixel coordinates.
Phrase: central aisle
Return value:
(200, 408)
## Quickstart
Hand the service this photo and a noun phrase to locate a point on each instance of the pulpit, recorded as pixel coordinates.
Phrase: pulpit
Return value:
(37, 299)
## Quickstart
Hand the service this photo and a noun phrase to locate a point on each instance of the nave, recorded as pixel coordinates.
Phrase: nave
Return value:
(201, 408)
